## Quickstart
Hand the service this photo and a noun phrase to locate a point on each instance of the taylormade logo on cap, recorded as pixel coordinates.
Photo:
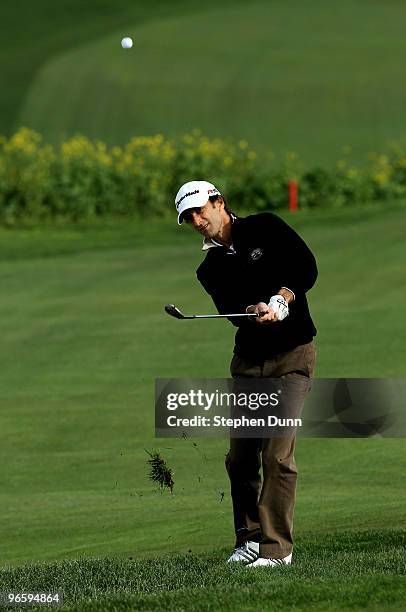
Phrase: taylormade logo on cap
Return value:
(193, 194)
(186, 196)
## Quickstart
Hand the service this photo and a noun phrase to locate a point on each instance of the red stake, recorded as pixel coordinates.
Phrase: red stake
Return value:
(292, 196)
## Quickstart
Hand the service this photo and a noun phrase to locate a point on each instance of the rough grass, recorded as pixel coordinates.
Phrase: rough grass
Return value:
(362, 570)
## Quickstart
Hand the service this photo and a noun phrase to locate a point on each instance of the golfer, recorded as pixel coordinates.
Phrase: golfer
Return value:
(258, 264)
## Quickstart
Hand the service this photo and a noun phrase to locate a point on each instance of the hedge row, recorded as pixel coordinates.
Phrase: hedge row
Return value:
(81, 179)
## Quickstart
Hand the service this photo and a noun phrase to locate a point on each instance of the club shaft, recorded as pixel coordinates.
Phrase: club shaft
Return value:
(172, 310)
(221, 316)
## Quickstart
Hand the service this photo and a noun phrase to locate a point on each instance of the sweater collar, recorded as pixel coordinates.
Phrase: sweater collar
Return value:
(209, 243)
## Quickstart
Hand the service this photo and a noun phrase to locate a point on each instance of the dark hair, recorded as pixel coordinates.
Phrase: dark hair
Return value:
(214, 198)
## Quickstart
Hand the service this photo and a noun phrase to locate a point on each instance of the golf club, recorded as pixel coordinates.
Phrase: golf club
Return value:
(172, 310)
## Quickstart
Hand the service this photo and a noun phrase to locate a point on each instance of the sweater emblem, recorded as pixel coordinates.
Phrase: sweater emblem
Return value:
(255, 254)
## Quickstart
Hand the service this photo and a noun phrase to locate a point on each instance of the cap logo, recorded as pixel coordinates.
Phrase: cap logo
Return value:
(190, 193)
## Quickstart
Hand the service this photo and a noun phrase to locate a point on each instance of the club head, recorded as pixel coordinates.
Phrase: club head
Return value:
(173, 311)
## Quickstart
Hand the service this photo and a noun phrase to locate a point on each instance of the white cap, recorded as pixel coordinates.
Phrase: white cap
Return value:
(193, 194)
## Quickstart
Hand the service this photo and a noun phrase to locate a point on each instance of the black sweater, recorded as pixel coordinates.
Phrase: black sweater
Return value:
(268, 255)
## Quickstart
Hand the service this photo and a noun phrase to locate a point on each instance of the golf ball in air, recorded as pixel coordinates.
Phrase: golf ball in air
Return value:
(127, 42)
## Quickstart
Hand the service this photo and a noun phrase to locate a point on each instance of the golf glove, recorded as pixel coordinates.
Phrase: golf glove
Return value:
(280, 306)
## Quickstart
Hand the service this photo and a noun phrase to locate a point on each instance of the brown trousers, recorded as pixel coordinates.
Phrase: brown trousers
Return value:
(265, 513)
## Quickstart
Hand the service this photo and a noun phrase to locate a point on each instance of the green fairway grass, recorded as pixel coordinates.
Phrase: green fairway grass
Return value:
(84, 336)
(33, 34)
(312, 77)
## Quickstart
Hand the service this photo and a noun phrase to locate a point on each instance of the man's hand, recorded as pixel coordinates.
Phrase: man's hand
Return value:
(266, 314)
(276, 310)
(280, 306)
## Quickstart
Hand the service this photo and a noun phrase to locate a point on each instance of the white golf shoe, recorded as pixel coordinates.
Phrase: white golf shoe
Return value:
(261, 562)
(246, 553)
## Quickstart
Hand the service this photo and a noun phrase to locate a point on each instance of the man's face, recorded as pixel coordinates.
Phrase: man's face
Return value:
(207, 220)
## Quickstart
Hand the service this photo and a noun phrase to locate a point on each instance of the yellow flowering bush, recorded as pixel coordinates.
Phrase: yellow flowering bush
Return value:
(25, 176)
(387, 172)
(232, 166)
(270, 187)
(83, 179)
(144, 171)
